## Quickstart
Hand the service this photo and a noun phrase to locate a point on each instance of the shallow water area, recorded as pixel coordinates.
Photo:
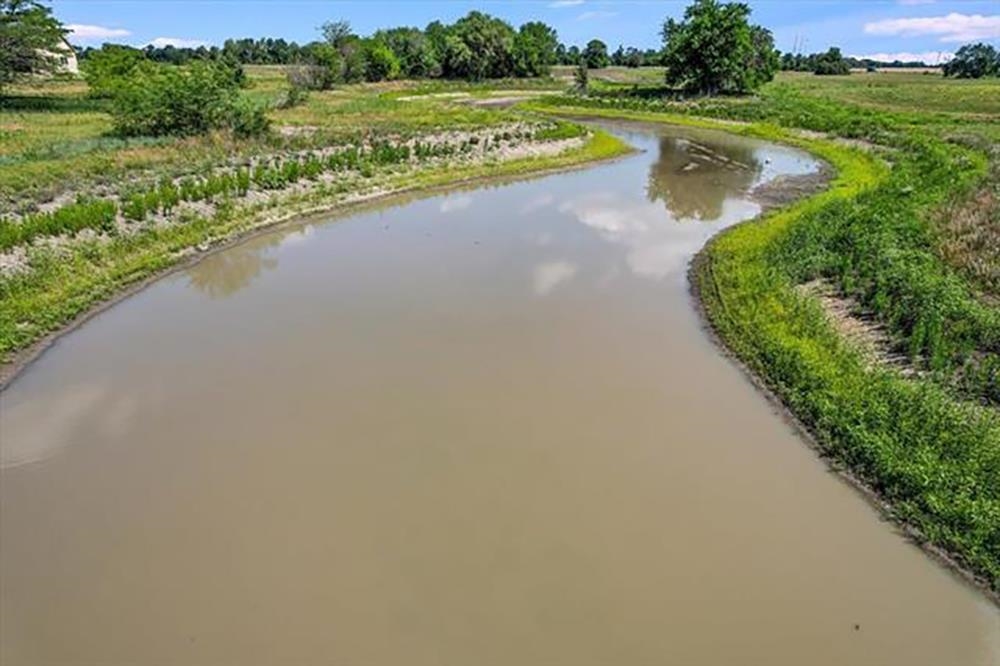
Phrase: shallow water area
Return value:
(481, 427)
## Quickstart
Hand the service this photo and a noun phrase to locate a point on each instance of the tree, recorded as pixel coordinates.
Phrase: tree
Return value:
(381, 64)
(323, 67)
(337, 33)
(831, 63)
(581, 77)
(633, 57)
(715, 49)
(596, 54)
(974, 61)
(534, 49)
(30, 39)
(413, 49)
(109, 68)
(489, 47)
(355, 56)
(618, 57)
(458, 59)
(437, 36)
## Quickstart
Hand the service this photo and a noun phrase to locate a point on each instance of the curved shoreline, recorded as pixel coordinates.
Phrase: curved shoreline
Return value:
(701, 265)
(699, 268)
(22, 359)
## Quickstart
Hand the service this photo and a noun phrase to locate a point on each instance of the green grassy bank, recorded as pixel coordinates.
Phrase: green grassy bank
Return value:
(926, 441)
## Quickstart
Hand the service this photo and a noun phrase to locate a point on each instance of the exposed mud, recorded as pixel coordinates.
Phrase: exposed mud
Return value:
(784, 190)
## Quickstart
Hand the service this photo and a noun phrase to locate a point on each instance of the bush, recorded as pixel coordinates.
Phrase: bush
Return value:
(109, 69)
(167, 100)
(308, 77)
(247, 118)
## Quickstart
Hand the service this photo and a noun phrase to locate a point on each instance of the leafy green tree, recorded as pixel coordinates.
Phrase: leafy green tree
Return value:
(618, 57)
(355, 57)
(30, 38)
(413, 49)
(763, 61)
(974, 61)
(560, 54)
(459, 61)
(110, 68)
(633, 57)
(534, 49)
(437, 36)
(490, 45)
(381, 64)
(831, 63)
(715, 49)
(596, 54)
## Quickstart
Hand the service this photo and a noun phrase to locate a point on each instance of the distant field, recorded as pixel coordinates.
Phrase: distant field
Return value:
(905, 90)
(645, 75)
(53, 136)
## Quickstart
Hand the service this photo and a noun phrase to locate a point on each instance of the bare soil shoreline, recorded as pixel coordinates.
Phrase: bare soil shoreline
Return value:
(21, 360)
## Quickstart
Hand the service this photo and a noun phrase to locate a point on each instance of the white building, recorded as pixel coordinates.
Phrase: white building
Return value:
(65, 55)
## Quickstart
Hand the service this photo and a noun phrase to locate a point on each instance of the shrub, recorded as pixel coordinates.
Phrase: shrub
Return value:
(109, 69)
(166, 100)
(247, 118)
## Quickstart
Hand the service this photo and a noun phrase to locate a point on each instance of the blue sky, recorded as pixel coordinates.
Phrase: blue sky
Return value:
(921, 28)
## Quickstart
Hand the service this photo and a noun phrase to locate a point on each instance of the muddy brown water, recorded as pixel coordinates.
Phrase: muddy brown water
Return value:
(478, 428)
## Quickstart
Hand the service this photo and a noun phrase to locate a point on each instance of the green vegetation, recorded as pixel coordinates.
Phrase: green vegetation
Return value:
(156, 100)
(831, 63)
(595, 55)
(974, 61)
(30, 41)
(925, 437)
(715, 49)
(125, 208)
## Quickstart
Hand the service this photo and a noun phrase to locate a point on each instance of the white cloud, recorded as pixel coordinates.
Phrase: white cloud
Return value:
(929, 57)
(549, 276)
(537, 203)
(452, 204)
(179, 42)
(84, 32)
(951, 28)
(586, 16)
(565, 3)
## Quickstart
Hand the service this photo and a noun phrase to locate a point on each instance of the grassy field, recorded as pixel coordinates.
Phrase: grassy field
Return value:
(907, 238)
(53, 137)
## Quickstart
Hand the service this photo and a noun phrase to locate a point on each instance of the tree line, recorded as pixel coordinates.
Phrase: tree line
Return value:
(278, 51)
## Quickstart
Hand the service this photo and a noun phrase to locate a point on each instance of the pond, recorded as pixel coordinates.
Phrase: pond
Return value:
(479, 427)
